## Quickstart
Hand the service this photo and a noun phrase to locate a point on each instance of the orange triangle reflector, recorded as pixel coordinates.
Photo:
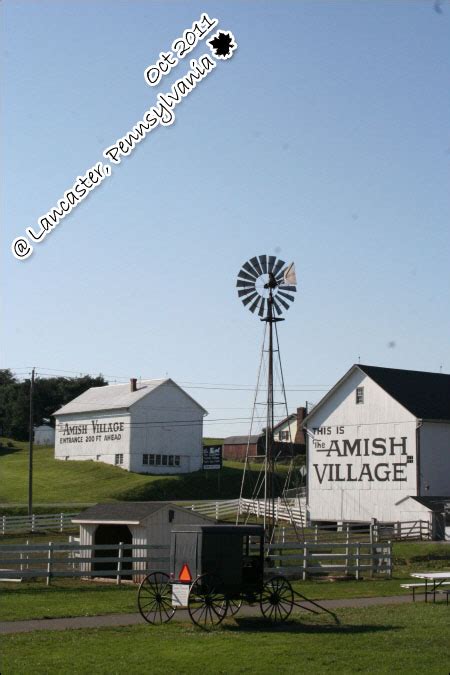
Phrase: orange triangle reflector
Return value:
(185, 574)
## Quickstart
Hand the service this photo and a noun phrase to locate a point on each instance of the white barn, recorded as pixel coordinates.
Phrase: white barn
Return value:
(379, 436)
(152, 426)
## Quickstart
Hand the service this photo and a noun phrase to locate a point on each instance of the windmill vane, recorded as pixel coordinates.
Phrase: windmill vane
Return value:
(266, 280)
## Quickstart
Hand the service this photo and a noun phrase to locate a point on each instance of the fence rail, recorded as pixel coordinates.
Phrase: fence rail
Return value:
(121, 561)
(37, 523)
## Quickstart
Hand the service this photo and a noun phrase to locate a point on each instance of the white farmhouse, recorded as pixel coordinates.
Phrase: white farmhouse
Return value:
(379, 436)
(152, 426)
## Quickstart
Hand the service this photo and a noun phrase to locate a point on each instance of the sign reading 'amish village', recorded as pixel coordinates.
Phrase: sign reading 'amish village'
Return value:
(90, 432)
(353, 461)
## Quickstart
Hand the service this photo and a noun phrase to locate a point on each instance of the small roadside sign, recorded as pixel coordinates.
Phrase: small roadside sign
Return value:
(212, 456)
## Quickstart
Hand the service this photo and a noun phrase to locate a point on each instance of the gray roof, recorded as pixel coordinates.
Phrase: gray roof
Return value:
(241, 440)
(434, 503)
(127, 512)
(115, 396)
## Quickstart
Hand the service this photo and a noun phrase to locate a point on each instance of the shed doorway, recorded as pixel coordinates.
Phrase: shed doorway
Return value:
(113, 534)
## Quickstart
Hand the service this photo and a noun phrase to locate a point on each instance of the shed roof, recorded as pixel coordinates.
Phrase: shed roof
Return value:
(116, 396)
(121, 512)
(434, 503)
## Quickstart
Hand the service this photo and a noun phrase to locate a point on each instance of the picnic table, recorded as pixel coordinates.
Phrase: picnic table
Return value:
(436, 579)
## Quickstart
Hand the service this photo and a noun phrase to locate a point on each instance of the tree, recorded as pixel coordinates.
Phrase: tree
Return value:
(49, 395)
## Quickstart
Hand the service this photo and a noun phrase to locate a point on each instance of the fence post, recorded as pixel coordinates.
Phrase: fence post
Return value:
(32, 522)
(28, 555)
(3, 524)
(305, 560)
(61, 522)
(357, 553)
(217, 510)
(49, 563)
(390, 559)
(347, 550)
(316, 533)
(119, 563)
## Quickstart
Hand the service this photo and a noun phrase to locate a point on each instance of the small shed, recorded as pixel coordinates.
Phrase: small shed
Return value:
(44, 435)
(433, 510)
(133, 523)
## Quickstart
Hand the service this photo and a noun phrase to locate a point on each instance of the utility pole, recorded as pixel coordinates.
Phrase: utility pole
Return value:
(30, 454)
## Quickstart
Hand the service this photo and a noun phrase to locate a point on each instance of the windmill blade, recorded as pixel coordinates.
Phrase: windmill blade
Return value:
(280, 277)
(261, 309)
(251, 270)
(249, 298)
(255, 304)
(278, 265)
(293, 289)
(245, 284)
(263, 263)
(271, 263)
(245, 291)
(245, 275)
(255, 262)
(283, 302)
(286, 295)
(277, 307)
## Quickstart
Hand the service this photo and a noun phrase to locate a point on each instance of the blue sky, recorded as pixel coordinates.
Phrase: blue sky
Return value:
(324, 140)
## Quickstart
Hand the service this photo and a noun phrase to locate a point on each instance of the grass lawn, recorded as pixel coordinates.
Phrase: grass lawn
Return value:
(59, 482)
(403, 639)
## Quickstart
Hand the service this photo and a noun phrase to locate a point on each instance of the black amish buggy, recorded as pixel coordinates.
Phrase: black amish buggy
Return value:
(213, 570)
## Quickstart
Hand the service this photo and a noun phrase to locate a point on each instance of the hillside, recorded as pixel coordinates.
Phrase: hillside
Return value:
(57, 482)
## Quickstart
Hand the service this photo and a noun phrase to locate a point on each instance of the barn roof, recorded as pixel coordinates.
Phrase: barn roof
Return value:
(426, 395)
(116, 396)
(121, 512)
(241, 440)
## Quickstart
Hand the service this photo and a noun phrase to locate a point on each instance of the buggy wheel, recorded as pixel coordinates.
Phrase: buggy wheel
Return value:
(277, 599)
(207, 603)
(234, 605)
(155, 598)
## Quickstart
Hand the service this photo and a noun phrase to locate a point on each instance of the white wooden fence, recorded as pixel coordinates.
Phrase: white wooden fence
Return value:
(37, 523)
(294, 559)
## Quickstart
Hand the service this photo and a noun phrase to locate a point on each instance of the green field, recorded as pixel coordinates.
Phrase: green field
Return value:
(409, 639)
(57, 482)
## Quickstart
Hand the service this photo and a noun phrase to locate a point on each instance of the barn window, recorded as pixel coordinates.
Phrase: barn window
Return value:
(144, 459)
(98, 457)
(151, 460)
(177, 460)
(164, 460)
(157, 460)
(283, 435)
(171, 515)
(359, 394)
(170, 460)
(118, 459)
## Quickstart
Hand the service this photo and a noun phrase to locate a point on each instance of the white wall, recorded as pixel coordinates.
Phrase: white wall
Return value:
(44, 435)
(172, 425)
(93, 436)
(368, 483)
(435, 459)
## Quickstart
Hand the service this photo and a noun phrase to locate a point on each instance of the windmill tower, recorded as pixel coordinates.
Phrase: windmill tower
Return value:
(266, 285)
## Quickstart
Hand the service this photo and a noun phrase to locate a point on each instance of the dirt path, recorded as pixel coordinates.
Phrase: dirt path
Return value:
(8, 627)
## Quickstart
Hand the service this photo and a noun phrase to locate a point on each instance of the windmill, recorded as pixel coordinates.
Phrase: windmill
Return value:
(266, 286)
